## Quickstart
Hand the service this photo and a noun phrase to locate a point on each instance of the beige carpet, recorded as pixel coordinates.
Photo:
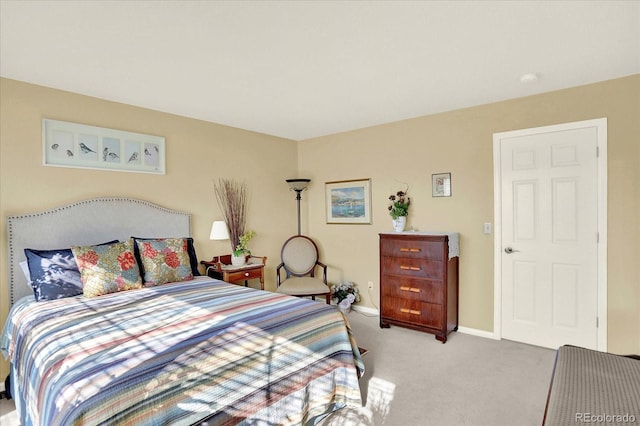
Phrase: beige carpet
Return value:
(8, 416)
(412, 379)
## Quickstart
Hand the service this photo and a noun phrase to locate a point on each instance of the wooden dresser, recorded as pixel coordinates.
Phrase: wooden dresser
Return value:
(419, 282)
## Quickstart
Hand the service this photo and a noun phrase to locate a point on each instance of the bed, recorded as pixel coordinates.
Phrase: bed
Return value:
(191, 351)
(589, 386)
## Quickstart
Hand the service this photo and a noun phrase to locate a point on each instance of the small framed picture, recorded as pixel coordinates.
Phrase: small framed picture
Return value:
(348, 201)
(441, 185)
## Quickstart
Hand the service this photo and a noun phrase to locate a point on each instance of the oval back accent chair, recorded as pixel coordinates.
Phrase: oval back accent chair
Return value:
(299, 257)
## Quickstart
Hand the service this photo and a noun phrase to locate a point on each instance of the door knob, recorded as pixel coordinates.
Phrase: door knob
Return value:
(509, 250)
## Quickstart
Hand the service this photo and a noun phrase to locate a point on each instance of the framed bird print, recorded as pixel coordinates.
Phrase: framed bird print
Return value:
(89, 147)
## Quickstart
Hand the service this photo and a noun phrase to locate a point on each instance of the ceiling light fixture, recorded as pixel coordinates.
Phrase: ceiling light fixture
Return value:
(528, 78)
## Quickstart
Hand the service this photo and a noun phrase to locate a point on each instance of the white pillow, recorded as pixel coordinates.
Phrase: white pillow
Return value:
(24, 265)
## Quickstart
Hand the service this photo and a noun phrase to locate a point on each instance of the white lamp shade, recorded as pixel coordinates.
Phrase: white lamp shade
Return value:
(219, 231)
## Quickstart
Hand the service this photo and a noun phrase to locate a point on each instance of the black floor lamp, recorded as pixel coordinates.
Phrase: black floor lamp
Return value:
(298, 185)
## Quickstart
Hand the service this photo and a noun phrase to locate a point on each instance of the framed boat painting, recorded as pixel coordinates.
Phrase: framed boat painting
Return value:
(348, 201)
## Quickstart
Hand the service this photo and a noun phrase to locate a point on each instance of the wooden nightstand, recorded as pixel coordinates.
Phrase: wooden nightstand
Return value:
(220, 267)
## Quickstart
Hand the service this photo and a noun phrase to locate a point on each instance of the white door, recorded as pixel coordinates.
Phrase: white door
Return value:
(548, 242)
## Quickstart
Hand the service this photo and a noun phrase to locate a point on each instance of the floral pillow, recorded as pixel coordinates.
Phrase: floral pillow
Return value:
(164, 260)
(193, 258)
(107, 268)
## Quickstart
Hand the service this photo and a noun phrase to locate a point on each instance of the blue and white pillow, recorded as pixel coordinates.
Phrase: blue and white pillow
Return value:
(54, 273)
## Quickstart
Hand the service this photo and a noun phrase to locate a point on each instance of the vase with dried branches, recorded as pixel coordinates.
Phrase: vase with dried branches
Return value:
(232, 200)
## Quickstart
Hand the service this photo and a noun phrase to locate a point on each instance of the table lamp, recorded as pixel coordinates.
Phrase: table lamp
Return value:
(219, 231)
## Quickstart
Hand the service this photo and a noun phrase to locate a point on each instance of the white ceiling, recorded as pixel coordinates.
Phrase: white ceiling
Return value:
(301, 69)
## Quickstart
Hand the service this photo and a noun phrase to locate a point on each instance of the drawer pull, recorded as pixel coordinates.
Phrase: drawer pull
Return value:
(246, 274)
(410, 268)
(409, 311)
(411, 289)
(410, 249)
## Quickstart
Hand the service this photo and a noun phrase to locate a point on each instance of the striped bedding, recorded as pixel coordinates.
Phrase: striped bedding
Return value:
(182, 353)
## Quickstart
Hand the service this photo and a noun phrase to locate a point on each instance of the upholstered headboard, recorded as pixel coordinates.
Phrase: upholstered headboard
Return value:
(86, 222)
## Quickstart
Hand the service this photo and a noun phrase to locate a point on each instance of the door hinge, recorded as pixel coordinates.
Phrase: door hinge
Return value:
(598, 151)
(597, 322)
(597, 237)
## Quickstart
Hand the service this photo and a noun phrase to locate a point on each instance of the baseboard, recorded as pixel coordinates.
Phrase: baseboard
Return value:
(365, 310)
(476, 332)
(464, 330)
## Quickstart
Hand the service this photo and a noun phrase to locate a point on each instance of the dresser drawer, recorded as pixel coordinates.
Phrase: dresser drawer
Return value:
(417, 268)
(414, 312)
(412, 248)
(413, 289)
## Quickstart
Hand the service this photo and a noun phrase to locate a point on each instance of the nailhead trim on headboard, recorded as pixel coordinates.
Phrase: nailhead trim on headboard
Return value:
(157, 221)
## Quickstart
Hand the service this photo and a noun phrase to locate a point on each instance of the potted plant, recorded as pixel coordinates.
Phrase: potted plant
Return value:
(347, 293)
(241, 252)
(399, 209)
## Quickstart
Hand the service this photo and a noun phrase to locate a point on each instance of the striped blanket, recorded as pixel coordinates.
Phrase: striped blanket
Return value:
(183, 353)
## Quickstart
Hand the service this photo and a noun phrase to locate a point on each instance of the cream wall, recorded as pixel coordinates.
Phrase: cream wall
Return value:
(461, 142)
(197, 154)
(391, 155)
